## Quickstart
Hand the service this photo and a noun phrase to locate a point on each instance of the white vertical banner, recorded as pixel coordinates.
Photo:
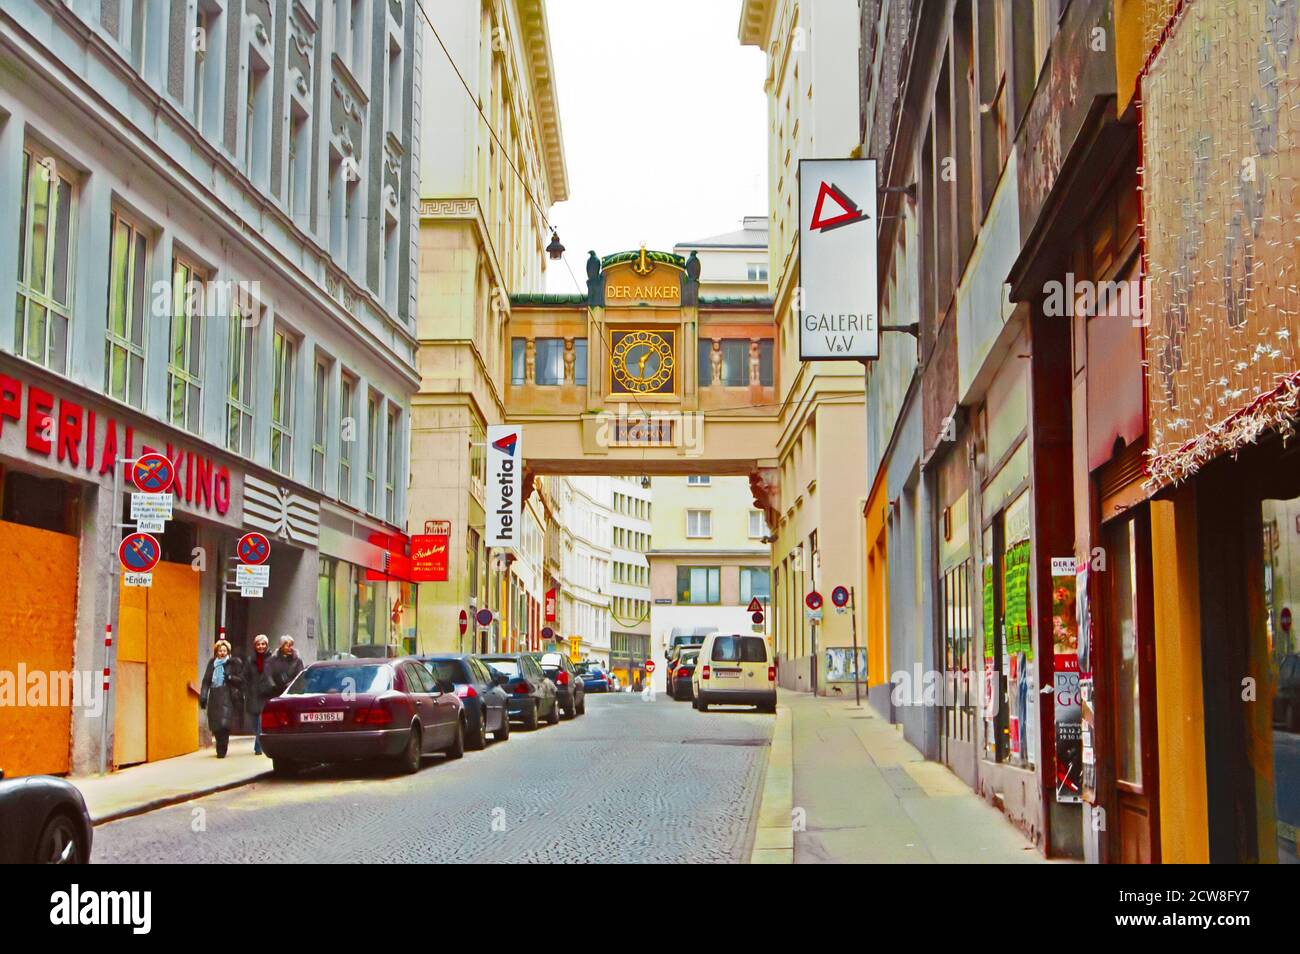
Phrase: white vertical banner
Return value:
(837, 260)
(505, 466)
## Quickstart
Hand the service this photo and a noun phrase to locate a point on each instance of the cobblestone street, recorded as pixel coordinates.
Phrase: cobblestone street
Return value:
(628, 782)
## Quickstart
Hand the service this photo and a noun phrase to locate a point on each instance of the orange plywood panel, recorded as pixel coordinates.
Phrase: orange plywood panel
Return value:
(38, 604)
(173, 652)
(130, 721)
(132, 646)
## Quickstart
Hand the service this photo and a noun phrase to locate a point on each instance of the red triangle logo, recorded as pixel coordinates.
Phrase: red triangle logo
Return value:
(848, 211)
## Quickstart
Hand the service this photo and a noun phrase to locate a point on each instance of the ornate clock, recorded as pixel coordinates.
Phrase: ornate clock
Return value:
(643, 362)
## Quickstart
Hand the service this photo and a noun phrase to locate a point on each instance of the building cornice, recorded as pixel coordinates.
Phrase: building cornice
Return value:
(536, 42)
(754, 16)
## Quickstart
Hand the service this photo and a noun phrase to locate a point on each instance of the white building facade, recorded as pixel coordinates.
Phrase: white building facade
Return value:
(207, 213)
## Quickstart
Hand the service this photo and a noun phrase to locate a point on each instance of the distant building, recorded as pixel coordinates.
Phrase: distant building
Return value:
(733, 263)
(708, 558)
(586, 540)
(630, 578)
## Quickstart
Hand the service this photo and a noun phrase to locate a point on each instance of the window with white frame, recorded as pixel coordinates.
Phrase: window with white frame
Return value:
(185, 350)
(757, 271)
(45, 224)
(699, 523)
(757, 524)
(392, 460)
(372, 450)
(128, 296)
(347, 435)
(239, 396)
(283, 355)
(698, 481)
(320, 422)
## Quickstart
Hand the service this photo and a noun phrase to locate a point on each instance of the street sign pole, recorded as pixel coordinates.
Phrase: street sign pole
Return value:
(853, 618)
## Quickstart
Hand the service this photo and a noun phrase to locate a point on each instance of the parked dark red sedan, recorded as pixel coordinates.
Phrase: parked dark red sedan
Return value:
(349, 709)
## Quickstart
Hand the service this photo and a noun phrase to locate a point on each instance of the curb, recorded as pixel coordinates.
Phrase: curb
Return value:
(168, 800)
(774, 839)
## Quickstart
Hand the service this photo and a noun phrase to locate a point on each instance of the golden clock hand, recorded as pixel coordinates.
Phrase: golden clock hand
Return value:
(640, 368)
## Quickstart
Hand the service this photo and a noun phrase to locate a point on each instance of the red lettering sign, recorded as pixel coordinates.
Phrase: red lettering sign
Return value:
(429, 563)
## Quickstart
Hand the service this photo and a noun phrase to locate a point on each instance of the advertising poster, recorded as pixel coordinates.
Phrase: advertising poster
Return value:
(1067, 708)
(839, 664)
(505, 466)
(429, 562)
(1083, 657)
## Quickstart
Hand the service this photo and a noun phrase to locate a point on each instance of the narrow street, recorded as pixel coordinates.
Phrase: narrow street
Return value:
(630, 781)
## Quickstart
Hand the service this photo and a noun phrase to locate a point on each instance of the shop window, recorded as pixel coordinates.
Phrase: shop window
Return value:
(45, 224)
(44, 503)
(128, 294)
(1281, 581)
(958, 654)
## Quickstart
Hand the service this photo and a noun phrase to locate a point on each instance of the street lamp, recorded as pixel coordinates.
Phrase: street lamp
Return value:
(556, 248)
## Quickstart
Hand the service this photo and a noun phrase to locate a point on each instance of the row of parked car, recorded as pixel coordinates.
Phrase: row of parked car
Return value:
(400, 710)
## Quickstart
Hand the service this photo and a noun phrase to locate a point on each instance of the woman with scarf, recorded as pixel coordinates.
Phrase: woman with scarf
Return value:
(219, 693)
(258, 685)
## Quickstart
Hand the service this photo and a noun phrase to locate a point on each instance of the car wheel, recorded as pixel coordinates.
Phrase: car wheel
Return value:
(478, 738)
(283, 768)
(554, 717)
(531, 722)
(503, 733)
(59, 844)
(408, 763)
(457, 747)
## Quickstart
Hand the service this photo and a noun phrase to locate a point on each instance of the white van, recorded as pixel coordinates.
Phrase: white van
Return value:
(734, 670)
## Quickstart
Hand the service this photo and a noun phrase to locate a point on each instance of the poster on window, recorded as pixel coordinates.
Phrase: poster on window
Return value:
(1083, 657)
(1066, 709)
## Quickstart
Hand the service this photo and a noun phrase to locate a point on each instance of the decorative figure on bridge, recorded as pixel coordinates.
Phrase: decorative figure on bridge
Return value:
(755, 365)
(691, 283)
(595, 281)
(530, 362)
(715, 362)
(570, 358)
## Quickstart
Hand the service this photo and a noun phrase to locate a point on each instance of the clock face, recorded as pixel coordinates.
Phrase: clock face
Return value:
(642, 362)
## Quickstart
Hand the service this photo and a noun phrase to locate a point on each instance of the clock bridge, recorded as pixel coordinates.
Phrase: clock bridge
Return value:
(643, 375)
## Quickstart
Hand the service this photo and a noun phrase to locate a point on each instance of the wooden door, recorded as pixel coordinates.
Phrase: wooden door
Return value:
(1129, 667)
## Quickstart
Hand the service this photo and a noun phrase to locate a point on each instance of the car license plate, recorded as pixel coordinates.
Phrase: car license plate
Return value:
(320, 717)
(728, 674)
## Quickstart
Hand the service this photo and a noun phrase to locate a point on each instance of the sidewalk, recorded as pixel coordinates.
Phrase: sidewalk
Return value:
(142, 788)
(867, 796)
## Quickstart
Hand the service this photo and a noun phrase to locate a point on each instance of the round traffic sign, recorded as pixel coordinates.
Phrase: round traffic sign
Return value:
(840, 596)
(1286, 619)
(254, 549)
(649, 665)
(153, 473)
(548, 633)
(139, 552)
(483, 617)
(464, 622)
(758, 619)
(813, 600)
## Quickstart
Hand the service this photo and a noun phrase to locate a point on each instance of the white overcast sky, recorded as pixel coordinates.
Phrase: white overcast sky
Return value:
(664, 118)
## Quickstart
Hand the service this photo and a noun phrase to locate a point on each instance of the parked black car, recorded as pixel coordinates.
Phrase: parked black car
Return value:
(1286, 704)
(568, 682)
(43, 820)
(680, 671)
(484, 700)
(530, 695)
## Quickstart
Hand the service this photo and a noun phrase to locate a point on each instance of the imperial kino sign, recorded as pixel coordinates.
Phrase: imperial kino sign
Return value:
(837, 260)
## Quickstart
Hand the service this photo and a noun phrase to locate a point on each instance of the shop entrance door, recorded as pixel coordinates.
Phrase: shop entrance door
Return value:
(1129, 671)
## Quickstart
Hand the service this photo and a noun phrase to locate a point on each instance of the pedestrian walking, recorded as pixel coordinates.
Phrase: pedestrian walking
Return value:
(219, 694)
(258, 685)
(285, 665)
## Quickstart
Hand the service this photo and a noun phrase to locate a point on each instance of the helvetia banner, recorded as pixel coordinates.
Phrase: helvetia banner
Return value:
(505, 465)
(837, 260)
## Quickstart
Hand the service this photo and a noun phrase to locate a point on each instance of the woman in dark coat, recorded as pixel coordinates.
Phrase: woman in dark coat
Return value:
(258, 686)
(219, 693)
(285, 665)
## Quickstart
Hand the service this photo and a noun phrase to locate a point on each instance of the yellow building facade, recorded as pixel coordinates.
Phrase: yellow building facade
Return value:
(486, 181)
